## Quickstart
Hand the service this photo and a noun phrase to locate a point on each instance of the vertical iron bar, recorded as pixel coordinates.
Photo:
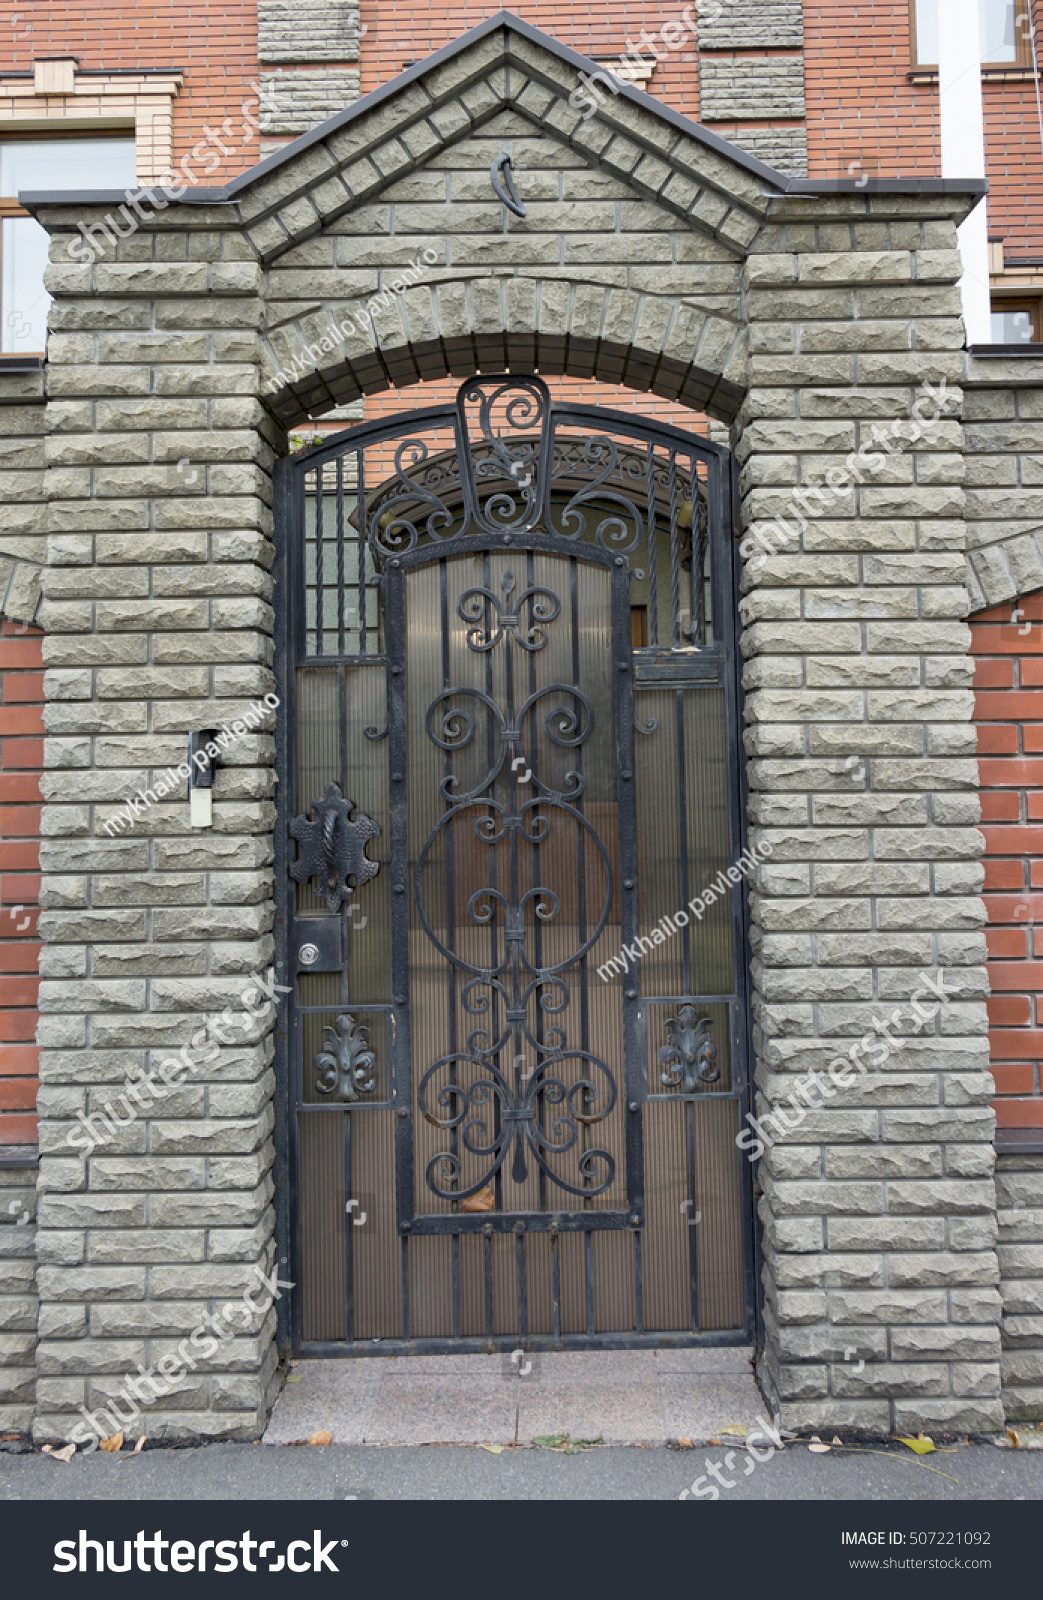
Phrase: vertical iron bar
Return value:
(639, 1283)
(555, 1285)
(341, 595)
(488, 1238)
(318, 560)
(675, 572)
(682, 816)
(456, 1286)
(349, 1231)
(360, 518)
(653, 598)
(523, 1307)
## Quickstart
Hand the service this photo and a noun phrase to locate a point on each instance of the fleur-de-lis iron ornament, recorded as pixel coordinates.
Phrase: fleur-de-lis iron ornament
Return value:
(333, 848)
(345, 1069)
(691, 1055)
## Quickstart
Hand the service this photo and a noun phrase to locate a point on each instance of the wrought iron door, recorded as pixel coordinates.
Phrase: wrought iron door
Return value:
(507, 664)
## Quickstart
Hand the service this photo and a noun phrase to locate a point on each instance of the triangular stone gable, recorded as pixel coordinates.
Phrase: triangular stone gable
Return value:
(502, 65)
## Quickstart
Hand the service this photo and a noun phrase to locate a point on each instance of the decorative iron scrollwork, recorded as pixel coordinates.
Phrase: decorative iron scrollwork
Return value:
(691, 1054)
(346, 1070)
(333, 848)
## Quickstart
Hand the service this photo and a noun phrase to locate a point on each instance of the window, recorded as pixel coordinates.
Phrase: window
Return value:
(1015, 321)
(27, 164)
(1006, 38)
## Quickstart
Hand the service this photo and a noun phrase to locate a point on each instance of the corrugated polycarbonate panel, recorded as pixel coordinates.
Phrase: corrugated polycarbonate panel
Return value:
(322, 1205)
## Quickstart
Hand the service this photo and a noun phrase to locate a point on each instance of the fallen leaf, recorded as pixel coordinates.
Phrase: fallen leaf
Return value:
(493, 1449)
(113, 1443)
(836, 1440)
(140, 1445)
(686, 1444)
(819, 1449)
(735, 1428)
(322, 1437)
(1014, 1439)
(64, 1456)
(483, 1200)
(295, 1377)
(921, 1446)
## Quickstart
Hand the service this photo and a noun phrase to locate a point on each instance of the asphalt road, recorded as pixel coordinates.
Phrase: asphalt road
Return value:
(978, 1471)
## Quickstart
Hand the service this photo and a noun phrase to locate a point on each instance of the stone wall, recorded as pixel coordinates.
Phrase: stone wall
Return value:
(732, 90)
(879, 1210)
(1004, 477)
(747, 24)
(307, 30)
(17, 1296)
(1019, 1184)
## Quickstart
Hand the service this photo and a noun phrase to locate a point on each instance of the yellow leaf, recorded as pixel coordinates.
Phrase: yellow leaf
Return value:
(296, 1377)
(113, 1443)
(921, 1446)
(493, 1449)
(322, 1437)
(735, 1428)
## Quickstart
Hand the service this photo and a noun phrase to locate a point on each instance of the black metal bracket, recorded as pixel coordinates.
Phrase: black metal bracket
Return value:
(506, 191)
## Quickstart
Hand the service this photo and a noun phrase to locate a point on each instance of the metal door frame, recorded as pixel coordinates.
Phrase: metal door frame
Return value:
(723, 524)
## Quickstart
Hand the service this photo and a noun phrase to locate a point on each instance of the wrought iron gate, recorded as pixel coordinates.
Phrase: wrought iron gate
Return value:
(514, 1062)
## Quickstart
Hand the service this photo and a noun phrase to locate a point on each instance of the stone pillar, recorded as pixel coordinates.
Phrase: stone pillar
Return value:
(881, 1306)
(158, 620)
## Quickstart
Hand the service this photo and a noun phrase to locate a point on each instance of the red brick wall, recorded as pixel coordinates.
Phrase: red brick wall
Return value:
(21, 758)
(214, 44)
(1009, 715)
(861, 107)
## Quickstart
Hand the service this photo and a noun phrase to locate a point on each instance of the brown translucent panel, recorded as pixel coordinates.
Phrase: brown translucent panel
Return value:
(322, 1209)
(615, 1297)
(562, 874)
(659, 1015)
(665, 1253)
(376, 1247)
(682, 839)
(718, 1188)
(321, 1036)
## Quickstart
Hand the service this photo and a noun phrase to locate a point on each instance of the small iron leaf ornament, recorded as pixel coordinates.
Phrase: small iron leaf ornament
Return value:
(333, 848)
(345, 1069)
(691, 1054)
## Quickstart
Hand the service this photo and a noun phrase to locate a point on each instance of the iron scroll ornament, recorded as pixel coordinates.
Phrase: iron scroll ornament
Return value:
(345, 1069)
(691, 1055)
(542, 1113)
(333, 847)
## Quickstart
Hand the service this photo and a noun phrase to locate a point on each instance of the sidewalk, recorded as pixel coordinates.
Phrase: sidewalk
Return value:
(884, 1472)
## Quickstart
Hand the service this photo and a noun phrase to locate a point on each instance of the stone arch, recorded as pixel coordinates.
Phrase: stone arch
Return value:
(554, 326)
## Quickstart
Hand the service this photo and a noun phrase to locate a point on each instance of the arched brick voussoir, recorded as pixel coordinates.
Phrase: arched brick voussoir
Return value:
(461, 326)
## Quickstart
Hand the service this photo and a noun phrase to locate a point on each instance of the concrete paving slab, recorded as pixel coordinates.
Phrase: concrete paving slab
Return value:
(621, 1396)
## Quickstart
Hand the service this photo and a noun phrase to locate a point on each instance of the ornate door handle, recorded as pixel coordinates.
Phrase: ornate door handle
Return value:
(333, 847)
